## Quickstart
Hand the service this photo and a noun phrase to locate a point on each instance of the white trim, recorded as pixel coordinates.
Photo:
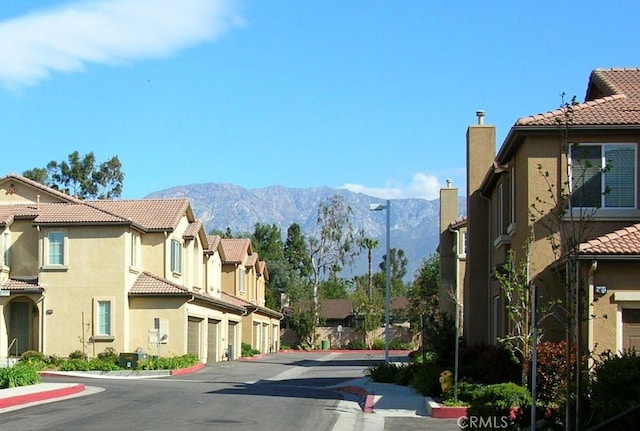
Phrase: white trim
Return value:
(626, 296)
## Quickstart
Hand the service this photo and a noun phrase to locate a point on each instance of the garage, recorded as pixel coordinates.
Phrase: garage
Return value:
(193, 335)
(213, 348)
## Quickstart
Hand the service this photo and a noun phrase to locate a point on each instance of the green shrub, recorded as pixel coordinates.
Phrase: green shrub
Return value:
(379, 344)
(18, 375)
(172, 363)
(75, 364)
(399, 345)
(108, 364)
(426, 381)
(32, 355)
(77, 354)
(109, 354)
(384, 372)
(467, 392)
(357, 345)
(506, 403)
(248, 351)
(616, 386)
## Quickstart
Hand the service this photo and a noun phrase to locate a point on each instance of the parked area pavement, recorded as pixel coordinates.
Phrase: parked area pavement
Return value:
(396, 407)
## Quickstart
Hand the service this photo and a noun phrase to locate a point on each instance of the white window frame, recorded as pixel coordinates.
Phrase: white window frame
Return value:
(64, 255)
(603, 179)
(134, 259)
(242, 279)
(99, 321)
(176, 256)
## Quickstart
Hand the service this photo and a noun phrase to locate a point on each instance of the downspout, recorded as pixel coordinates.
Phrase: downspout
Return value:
(491, 342)
(457, 318)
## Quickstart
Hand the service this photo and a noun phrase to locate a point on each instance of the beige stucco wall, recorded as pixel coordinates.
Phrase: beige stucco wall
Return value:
(96, 259)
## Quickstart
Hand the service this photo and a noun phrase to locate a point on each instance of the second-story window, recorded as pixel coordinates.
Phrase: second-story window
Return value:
(135, 250)
(56, 248)
(176, 256)
(603, 175)
(241, 280)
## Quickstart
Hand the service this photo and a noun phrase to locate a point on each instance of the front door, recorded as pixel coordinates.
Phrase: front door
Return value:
(19, 327)
(631, 329)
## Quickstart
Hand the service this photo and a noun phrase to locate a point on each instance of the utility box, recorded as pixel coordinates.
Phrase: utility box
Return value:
(130, 360)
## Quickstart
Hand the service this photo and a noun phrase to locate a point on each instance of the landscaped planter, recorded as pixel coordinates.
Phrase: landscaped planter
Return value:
(438, 411)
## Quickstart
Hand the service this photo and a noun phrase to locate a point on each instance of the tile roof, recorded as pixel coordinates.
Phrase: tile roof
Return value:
(214, 242)
(18, 286)
(41, 187)
(624, 241)
(252, 259)
(612, 98)
(235, 300)
(148, 284)
(234, 249)
(151, 214)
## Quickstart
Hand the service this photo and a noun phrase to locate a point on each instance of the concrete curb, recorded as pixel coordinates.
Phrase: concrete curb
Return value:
(188, 370)
(438, 411)
(41, 395)
(361, 392)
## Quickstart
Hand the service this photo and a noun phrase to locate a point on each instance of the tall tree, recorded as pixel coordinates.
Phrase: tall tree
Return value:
(370, 244)
(334, 244)
(79, 176)
(296, 251)
(399, 263)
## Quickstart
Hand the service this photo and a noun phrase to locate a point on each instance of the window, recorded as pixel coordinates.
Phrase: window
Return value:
(135, 249)
(103, 318)
(603, 176)
(56, 248)
(241, 279)
(176, 256)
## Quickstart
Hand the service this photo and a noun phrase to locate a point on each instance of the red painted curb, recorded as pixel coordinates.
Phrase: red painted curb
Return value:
(449, 412)
(41, 396)
(188, 370)
(362, 392)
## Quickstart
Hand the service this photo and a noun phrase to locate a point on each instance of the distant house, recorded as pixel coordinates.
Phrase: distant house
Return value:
(126, 274)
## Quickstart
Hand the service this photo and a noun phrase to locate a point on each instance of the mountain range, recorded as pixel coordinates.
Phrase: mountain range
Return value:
(414, 222)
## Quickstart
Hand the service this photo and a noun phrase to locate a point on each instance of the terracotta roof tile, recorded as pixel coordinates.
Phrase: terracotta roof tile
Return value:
(624, 241)
(252, 259)
(235, 300)
(150, 284)
(151, 214)
(41, 187)
(612, 98)
(13, 285)
(234, 249)
(192, 230)
(214, 242)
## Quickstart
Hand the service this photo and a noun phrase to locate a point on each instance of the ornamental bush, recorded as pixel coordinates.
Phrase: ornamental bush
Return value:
(505, 403)
(18, 375)
(616, 387)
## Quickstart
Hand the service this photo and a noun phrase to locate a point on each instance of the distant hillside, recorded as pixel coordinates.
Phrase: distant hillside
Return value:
(414, 222)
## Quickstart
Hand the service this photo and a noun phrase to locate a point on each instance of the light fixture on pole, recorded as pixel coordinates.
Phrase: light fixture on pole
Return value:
(387, 267)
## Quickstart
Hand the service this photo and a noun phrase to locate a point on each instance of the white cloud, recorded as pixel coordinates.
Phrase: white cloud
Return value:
(68, 37)
(422, 186)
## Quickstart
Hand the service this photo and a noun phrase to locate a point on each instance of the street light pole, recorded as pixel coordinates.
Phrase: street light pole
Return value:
(387, 267)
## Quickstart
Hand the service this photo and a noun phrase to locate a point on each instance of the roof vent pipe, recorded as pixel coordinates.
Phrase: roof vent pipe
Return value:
(480, 115)
(448, 183)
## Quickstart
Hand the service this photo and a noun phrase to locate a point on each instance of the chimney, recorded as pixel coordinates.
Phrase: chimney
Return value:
(449, 182)
(37, 202)
(480, 115)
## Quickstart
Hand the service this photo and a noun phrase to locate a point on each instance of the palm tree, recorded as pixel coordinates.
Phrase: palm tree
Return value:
(369, 244)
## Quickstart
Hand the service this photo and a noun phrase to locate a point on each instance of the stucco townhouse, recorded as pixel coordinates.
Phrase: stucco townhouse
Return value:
(567, 174)
(127, 274)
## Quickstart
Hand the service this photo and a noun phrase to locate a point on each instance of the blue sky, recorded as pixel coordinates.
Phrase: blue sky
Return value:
(371, 95)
